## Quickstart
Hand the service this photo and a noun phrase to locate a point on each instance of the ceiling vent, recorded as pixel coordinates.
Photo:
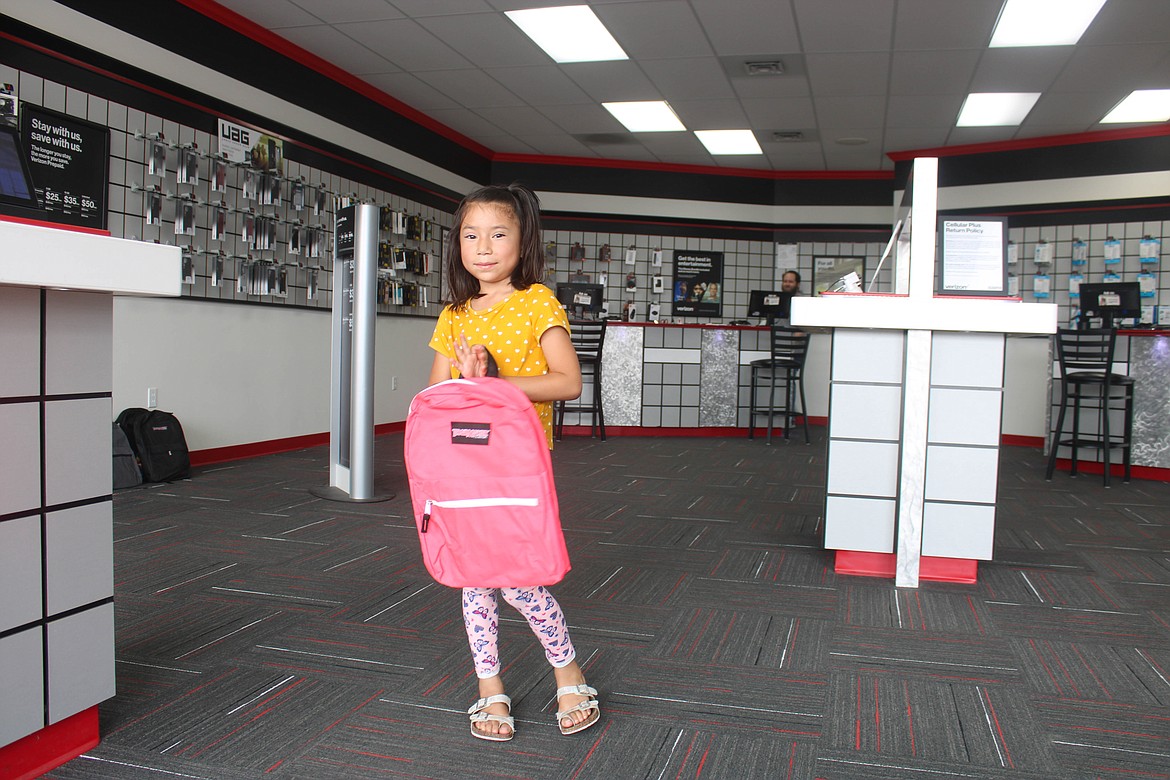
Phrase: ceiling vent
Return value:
(787, 136)
(764, 68)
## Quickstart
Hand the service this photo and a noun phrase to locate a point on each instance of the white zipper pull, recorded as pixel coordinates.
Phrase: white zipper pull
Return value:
(426, 515)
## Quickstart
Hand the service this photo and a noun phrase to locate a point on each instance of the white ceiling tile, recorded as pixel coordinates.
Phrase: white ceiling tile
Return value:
(488, 40)
(1019, 69)
(419, 8)
(938, 25)
(583, 118)
(612, 81)
(470, 88)
(928, 110)
(846, 111)
(856, 73)
(772, 87)
(518, 120)
(748, 27)
(411, 91)
(662, 144)
(932, 72)
(852, 158)
(560, 144)
(466, 121)
(405, 43)
(907, 139)
(654, 29)
(1069, 109)
(710, 114)
(545, 85)
(333, 11)
(845, 25)
(689, 78)
(1115, 69)
(781, 113)
(1130, 21)
(334, 47)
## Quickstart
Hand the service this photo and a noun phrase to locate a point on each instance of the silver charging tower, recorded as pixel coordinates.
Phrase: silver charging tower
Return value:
(351, 398)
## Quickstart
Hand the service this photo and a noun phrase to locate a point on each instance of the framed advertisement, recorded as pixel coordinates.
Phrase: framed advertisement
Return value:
(69, 160)
(972, 256)
(698, 284)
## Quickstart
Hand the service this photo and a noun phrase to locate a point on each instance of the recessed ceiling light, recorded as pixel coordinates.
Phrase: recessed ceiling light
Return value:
(729, 141)
(645, 116)
(1043, 22)
(995, 109)
(1142, 105)
(570, 33)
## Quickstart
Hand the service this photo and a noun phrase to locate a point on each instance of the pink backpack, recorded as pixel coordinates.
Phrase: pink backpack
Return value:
(482, 487)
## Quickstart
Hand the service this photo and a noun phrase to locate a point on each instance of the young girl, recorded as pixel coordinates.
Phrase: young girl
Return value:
(498, 305)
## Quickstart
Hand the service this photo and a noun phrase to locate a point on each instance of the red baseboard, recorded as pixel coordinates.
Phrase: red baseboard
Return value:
(52, 746)
(1015, 440)
(274, 446)
(1116, 470)
(704, 432)
(871, 564)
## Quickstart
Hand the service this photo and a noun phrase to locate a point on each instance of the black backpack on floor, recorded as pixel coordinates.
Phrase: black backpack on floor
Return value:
(157, 440)
(126, 471)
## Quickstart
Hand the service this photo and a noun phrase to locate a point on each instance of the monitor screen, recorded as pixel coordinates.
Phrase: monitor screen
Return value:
(1111, 301)
(772, 304)
(16, 186)
(581, 299)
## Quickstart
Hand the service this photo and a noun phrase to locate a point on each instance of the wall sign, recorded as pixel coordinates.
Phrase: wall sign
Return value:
(69, 159)
(698, 283)
(972, 253)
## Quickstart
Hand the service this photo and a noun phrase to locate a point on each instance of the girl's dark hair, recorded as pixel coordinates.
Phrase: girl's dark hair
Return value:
(525, 207)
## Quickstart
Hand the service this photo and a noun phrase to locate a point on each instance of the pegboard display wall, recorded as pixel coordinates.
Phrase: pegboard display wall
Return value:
(1071, 254)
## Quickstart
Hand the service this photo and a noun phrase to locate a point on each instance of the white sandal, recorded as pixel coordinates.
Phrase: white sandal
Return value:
(590, 704)
(476, 711)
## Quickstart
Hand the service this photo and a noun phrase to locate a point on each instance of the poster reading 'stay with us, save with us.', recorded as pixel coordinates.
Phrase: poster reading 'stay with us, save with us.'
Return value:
(69, 161)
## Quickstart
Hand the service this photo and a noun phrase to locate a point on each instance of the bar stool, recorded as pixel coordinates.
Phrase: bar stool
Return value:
(785, 369)
(588, 337)
(1088, 382)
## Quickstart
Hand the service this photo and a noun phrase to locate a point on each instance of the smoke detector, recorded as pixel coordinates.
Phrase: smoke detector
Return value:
(764, 68)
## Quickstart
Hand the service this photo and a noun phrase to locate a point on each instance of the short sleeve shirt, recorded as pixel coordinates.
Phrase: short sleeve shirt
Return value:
(511, 331)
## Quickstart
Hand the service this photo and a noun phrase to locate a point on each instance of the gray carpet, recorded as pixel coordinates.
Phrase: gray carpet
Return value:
(265, 632)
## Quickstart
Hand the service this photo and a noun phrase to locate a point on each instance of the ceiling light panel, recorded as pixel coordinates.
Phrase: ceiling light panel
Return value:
(729, 141)
(1043, 22)
(1142, 105)
(996, 109)
(570, 33)
(646, 116)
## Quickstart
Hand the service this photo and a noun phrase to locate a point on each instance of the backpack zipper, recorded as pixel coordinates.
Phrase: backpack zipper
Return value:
(471, 503)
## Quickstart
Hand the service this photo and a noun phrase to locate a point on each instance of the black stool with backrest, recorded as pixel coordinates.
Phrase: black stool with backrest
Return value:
(588, 338)
(784, 371)
(1087, 381)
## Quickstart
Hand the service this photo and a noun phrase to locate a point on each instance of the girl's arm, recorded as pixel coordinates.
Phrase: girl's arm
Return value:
(440, 369)
(563, 380)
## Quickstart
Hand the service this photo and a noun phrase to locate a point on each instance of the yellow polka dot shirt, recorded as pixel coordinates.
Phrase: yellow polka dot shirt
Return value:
(511, 331)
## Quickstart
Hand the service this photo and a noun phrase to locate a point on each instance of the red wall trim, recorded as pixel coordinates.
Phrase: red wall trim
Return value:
(1013, 440)
(274, 446)
(1152, 473)
(871, 564)
(54, 225)
(52, 746)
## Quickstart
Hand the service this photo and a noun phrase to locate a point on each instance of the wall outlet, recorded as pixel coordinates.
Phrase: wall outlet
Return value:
(393, 383)
(151, 397)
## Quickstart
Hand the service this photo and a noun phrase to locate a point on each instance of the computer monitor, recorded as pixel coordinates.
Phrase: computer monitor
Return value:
(771, 304)
(16, 185)
(1110, 301)
(581, 299)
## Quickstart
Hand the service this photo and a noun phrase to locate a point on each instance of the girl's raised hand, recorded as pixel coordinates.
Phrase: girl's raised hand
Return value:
(471, 360)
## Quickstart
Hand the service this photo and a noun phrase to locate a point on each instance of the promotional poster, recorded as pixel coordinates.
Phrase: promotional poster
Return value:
(68, 159)
(698, 283)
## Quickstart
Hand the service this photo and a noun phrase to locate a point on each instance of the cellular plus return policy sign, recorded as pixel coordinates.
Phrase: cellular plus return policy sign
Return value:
(69, 160)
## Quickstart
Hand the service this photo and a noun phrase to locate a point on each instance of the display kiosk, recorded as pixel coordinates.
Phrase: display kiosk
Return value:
(915, 399)
(57, 289)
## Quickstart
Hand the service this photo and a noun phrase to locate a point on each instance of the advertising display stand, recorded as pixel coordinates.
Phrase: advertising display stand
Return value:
(916, 393)
(351, 407)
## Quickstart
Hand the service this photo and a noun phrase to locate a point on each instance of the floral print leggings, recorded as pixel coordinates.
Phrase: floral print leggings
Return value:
(481, 616)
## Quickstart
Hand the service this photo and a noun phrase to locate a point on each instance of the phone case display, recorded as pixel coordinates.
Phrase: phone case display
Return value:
(1149, 250)
(408, 247)
(1080, 252)
(1112, 251)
